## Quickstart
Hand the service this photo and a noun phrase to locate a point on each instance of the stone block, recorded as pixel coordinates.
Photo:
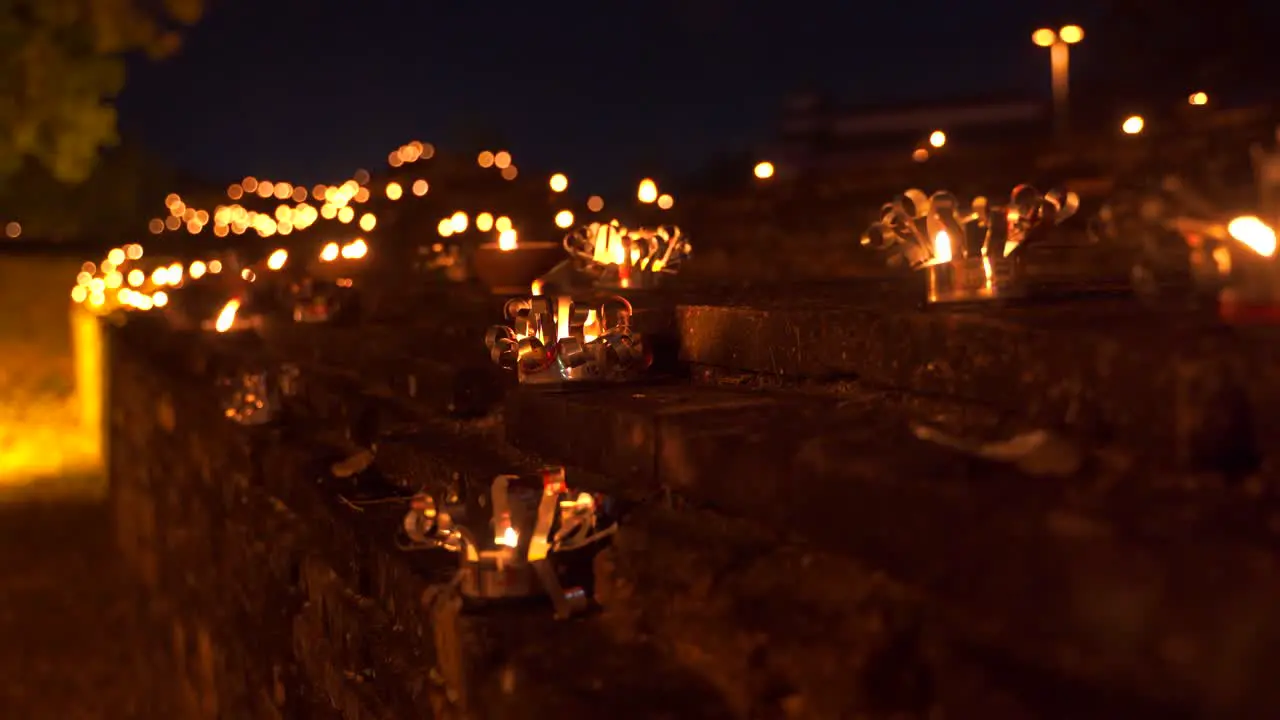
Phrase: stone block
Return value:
(1171, 385)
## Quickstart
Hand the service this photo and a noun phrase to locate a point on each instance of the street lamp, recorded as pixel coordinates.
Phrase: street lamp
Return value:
(1058, 42)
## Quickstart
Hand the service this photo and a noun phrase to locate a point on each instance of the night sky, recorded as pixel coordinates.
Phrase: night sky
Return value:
(310, 90)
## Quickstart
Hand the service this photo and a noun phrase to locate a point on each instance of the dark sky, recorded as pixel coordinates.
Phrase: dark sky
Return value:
(309, 90)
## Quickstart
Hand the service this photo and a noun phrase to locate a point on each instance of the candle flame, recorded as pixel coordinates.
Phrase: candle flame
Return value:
(942, 247)
(1254, 234)
(227, 317)
(275, 262)
(510, 538)
(562, 317)
(507, 240)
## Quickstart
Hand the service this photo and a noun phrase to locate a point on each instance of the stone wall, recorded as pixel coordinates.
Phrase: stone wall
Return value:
(790, 548)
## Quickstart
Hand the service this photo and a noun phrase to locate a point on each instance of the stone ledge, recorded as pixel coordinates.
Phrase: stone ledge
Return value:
(219, 477)
(1176, 384)
(1082, 562)
(428, 451)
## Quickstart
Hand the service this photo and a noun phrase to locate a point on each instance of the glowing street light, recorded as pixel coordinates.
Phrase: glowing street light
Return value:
(1133, 125)
(764, 170)
(937, 138)
(1198, 98)
(1059, 63)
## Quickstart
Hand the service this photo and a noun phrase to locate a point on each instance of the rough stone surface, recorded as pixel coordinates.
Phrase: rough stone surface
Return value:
(292, 595)
(1180, 386)
(1101, 576)
(787, 549)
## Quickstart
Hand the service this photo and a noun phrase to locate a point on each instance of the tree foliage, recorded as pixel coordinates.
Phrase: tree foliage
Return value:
(120, 194)
(62, 64)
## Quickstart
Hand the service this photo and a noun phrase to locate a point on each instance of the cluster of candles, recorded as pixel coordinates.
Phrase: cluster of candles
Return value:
(109, 286)
(968, 253)
(557, 339)
(505, 541)
(934, 229)
(616, 256)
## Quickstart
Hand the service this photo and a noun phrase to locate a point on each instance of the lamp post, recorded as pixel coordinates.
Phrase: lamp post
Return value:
(1059, 62)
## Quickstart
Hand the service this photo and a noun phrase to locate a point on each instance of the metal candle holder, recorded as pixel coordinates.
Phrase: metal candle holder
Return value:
(969, 279)
(505, 546)
(315, 302)
(972, 254)
(250, 398)
(621, 258)
(559, 339)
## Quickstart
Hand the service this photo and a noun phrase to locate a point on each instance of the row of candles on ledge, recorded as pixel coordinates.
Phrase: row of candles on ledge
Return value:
(577, 323)
(976, 253)
(517, 538)
(584, 331)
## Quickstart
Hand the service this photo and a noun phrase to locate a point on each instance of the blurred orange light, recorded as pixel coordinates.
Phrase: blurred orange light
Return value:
(507, 240)
(647, 192)
(1071, 34)
(1044, 37)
